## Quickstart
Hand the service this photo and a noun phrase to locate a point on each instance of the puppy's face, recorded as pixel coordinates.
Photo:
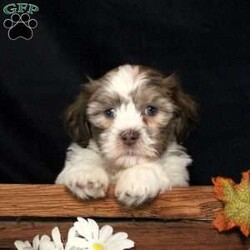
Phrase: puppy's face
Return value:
(133, 113)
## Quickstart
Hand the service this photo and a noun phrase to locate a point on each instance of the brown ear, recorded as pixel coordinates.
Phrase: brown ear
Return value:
(76, 122)
(186, 108)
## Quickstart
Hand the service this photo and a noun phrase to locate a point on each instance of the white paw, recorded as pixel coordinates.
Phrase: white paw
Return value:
(86, 184)
(137, 185)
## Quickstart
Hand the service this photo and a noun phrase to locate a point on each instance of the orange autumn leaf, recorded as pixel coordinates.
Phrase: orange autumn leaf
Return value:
(236, 199)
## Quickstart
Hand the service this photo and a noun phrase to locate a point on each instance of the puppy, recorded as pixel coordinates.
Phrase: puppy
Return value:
(126, 129)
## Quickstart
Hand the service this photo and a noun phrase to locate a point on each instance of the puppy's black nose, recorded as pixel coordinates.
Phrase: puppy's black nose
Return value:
(129, 137)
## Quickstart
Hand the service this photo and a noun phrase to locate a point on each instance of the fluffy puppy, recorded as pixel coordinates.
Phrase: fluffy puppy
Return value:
(126, 129)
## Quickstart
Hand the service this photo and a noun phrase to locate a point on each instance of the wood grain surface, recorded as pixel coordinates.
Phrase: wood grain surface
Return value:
(178, 219)
(55, 201)
(179, 235)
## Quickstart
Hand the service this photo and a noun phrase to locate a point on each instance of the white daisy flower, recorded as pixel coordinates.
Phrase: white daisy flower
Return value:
(89, 237)
(84, 235)
(43, 243)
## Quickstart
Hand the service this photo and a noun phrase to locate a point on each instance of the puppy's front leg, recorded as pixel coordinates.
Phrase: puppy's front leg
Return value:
(83, 173)
(141, 183)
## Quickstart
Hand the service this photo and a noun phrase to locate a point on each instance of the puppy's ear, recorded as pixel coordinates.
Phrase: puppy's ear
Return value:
(186, 108)
(75, 120)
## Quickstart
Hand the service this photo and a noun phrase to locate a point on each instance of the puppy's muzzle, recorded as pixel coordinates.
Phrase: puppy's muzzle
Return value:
(129, 137)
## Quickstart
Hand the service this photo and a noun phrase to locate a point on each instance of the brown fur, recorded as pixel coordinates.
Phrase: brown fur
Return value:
(76, 121)
(159, 89)
(186, 113)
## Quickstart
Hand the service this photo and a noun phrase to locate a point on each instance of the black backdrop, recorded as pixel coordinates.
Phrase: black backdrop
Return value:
(207, 42)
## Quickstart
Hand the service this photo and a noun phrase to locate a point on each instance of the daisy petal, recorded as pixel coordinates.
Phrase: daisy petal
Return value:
(48, 245)
(45, 238)
(117, 237)
(82, 227)
(120, 245)
(105, 233)
(71, 233)
(56, 236)
(36, 242)
(27, 244)
(20, 245)
(78, 242)
(94, 229)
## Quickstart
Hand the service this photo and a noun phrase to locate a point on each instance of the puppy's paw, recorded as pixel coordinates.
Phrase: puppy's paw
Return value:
(86, 184)
(137, 185)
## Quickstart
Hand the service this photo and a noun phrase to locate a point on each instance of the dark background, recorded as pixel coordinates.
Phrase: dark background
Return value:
(207, 42)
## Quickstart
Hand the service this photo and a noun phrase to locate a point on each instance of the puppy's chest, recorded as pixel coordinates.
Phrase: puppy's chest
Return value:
(113, 170)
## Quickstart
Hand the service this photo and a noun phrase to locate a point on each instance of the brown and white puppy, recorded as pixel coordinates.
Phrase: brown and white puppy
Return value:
(126, 128)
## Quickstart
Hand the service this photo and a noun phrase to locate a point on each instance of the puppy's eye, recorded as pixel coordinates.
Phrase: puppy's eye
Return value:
(150, 111)
(109, 113)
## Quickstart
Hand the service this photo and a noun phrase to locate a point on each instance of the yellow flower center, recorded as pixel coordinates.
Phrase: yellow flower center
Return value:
(97, 246)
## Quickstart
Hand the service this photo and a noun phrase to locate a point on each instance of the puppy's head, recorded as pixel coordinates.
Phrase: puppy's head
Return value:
(132, 113)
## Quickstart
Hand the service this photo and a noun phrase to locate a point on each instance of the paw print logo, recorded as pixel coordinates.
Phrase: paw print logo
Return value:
(20, 26)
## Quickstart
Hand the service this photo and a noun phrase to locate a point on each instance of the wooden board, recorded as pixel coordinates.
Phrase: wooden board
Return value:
(56, 201)
(147, 235)
(178, 219)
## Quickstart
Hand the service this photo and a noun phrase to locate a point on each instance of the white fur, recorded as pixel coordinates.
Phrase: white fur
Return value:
(138, 172)
(83, 173)
(134, 185)
(174, 163)
(141, 183)
(127, 117)
(125, 80)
